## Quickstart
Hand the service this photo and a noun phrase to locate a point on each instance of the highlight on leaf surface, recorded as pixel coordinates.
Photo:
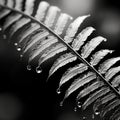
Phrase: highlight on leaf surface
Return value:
(62, 61)
(72, 72)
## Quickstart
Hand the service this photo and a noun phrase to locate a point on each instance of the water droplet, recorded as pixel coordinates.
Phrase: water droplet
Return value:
(61, 103)
(84, 118)
(58, 91)
(93, 116)
(29, 67)
(75, 109)
(38, 69)
(16, 44)
(21, 55)
(97, 112)
(18, 49)
(79, 104)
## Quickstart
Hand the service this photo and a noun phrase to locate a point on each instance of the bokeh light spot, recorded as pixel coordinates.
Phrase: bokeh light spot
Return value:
(10, 107)
(78, 7)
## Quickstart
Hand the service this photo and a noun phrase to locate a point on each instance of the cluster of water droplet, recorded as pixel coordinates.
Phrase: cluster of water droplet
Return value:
(75, 109)
(79, 104)
(38, 69)
(17, 47)
(96, 113)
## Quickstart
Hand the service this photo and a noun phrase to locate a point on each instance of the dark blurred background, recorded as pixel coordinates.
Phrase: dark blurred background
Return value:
(26, 93)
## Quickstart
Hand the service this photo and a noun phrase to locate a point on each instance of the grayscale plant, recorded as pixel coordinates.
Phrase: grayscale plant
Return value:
(46, 32)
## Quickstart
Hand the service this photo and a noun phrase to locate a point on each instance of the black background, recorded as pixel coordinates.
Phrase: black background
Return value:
(40, 98)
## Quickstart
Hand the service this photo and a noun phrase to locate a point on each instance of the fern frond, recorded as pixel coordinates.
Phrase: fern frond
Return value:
(39, 36)
(49, 53)
(2, 2)
(40, 15)
(51, 16)
(5, 12)
(15, 16)
(61, 23)
(104, 100)
(19, 24)
(10, 20)
(93, 97)
(10, 3)
(116, 114)
(97, 97)
(81, 38)
(18, 4)
(89, 89)
(107, 64)
(98, 56)
(42, 47)
(90, 46)
(62, 61)
(81, 81)
(72, 72)
(116, 81)
(28, 32)
(29, 7)
(84, 35)
(112, 72)
(23, 21)
(37, 39)
(43, 6)
(110, 106)
(73, 27)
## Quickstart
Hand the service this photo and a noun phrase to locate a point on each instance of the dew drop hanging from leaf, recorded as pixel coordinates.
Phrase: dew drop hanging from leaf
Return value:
(79, 104)
(84, 118)
(58, 91)
(16, 44)
(61, 103)
(97, 112)
(29, 67)
(75, 109)
(38, 70)
(18, 49)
